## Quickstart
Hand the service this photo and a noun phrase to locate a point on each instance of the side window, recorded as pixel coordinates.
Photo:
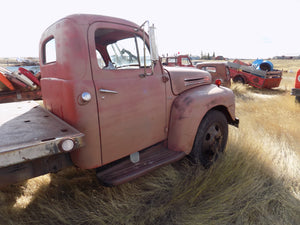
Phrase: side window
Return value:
(119, 49)
(211, 69)
(49, 51)
(123, 53)
(185, 61)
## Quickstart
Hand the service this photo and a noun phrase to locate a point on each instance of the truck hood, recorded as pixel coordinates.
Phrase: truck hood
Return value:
(183, 78)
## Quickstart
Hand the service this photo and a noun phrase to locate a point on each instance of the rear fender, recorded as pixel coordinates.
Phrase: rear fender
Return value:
(190, 107)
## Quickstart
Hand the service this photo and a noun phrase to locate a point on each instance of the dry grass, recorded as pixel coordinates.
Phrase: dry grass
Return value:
(257, 181)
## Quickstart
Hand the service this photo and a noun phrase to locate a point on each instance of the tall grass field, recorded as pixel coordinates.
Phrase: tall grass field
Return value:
(256, 181)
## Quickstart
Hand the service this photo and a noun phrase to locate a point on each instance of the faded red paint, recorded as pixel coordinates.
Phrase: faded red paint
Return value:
(134, 111)
(180, 60)
(218, 71)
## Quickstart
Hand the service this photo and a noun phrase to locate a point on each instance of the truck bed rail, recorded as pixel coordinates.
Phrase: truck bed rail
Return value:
(28, 132)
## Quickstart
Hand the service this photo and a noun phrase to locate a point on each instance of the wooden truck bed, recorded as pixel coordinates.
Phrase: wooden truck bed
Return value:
(28, 132)
(19, 95)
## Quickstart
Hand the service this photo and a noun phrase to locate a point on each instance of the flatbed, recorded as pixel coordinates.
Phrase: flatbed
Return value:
(20, 95)
(28, 131)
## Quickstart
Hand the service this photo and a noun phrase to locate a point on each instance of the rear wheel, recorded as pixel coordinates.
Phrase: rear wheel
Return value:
(239, 79)
(211, 139)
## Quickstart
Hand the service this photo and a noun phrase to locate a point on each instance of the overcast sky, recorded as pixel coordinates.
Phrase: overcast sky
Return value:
(232, 28)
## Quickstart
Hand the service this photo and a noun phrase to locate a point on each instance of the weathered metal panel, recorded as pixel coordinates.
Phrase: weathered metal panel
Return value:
(184, 78)
(64, 80)
(188, 110)
(28, 131)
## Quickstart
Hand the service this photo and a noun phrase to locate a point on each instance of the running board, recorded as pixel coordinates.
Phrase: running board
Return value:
(125, 170)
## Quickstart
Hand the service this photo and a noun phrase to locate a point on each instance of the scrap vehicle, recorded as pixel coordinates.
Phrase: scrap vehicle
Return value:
(259, 74)
(218, 70)
(19, 84)
(110, 106)
(179, 60)
(296, 90)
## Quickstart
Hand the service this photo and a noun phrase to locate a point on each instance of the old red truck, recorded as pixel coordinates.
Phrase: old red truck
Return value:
(260, 76)
(217, 70)
(111, 106)
(179, 60)
(296, 90)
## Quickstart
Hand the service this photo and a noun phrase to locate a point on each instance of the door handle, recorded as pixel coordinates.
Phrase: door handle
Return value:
(108, 91)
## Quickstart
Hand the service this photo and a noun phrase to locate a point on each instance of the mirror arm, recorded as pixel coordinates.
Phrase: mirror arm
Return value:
(153, 48)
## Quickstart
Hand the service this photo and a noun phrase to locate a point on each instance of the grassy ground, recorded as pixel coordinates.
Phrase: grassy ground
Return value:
(256, 181)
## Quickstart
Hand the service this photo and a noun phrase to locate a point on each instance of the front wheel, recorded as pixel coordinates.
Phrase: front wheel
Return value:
(211, 139)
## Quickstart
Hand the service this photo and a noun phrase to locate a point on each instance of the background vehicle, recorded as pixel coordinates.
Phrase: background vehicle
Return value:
(260, 75)
(180, 60)
(218, 70)
(296, 90)
(99, 80)
(19, 84)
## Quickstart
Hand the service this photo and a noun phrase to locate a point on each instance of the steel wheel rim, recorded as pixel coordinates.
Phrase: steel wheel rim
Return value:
(212, 142)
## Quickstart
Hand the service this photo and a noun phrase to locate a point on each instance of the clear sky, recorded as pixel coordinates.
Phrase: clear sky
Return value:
(232, 28)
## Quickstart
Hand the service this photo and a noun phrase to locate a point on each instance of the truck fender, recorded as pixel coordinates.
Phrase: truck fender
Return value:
(190, 107)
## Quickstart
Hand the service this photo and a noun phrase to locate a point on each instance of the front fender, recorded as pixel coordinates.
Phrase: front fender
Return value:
(190, 107)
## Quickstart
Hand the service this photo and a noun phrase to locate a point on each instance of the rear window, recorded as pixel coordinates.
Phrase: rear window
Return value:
(49, 51)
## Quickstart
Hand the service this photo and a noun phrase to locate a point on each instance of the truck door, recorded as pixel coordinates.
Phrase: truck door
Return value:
(131, 106)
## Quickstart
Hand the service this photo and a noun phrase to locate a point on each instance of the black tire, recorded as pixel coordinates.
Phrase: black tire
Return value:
(297, 99)
(239, 79)
(211, 139)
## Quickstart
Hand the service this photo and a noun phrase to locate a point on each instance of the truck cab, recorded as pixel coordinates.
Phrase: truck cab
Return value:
(101, 75)
(218, 70)
(180, 60)
(296, 90)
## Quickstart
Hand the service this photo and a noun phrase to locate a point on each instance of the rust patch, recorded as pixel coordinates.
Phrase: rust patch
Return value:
(187, 100)
(256, 80)
(182, 105)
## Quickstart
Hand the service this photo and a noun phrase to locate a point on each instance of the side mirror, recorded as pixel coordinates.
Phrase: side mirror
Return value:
(153, 46)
